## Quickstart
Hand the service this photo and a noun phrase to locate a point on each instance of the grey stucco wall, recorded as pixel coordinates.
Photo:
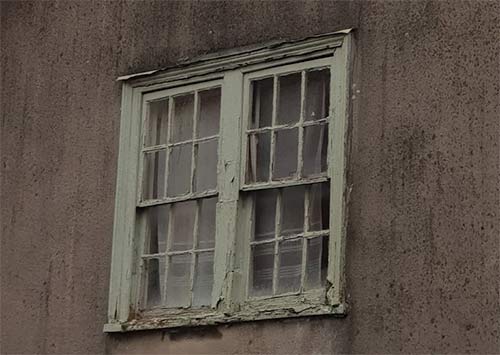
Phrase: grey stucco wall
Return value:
(423, 242)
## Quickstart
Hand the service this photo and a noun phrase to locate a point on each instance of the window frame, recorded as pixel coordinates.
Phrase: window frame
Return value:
(231, 70)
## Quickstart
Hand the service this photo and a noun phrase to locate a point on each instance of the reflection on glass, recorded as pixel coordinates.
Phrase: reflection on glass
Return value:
(178, 284)
(183, 217)
(157, 123)
(203, 279)
(209, 117)
(155, 272)
(154, 175)
(316, 262)
(290, 265)
(206, 233)
(265, 214)
(285, 156)
(206, 166)
(182, 122)
(292, 210)
(179, 170)
(262, 269)
(157, 219)
(259, 152)
(317, 94)
(319, 207)
(315, 149)
(289, 99)
(262, 103)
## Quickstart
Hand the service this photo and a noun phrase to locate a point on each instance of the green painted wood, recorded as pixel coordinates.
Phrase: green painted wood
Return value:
(233, 73)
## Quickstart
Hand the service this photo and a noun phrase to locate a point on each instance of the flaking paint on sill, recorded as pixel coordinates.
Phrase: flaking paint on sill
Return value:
(215, 318)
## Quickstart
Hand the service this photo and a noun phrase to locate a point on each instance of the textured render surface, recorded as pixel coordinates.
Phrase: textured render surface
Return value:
(423, 240)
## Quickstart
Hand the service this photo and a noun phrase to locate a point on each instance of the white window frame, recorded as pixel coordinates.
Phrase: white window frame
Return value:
(231, 71)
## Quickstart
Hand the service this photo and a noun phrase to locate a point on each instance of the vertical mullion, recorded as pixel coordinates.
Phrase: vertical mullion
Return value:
(300, 159)
(227, 275)
(144, 228)
(325, 109)
(142, 155)
(193, 251)
(145, 283)
(194, 147)
(194, 154)
(277, 231)
(168, 149)
(145, 123)
(273, 123)
(253, 155)
(255, 112)
(307, 204)
(170, 118)
(167, 257)
(304, 240)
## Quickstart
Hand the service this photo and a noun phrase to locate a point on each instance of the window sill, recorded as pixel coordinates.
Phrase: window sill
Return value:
(212, 317)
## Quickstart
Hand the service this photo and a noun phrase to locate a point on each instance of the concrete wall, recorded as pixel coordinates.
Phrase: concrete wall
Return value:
(423, 240)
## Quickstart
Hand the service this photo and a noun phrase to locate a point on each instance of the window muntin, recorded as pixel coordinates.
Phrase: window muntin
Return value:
(287, 142)
(289, 243)
(179, 197)
(288, 117)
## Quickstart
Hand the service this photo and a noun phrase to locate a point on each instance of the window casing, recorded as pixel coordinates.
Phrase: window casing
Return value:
(265, 97)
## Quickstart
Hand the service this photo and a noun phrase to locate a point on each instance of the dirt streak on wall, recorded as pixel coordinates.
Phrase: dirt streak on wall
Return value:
(423, 239)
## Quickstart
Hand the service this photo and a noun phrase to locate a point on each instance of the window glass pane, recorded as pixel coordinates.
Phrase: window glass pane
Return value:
(262, 103)
(179, 170)
(183, 216)
(292, 210)
(262, 269)
(206, 166)
(155, 279)
(265, 214)
(319, 207)
(289, 99)
(317, 94)
(203, 279)
(290, 265)
(182, 123)
(157, 219)
(315, 149)
(206, 233)
(285, 155)
(208, 123)
(316, 262)
(157, 127)
(178, 284)
(259, 152)
(154, 175)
